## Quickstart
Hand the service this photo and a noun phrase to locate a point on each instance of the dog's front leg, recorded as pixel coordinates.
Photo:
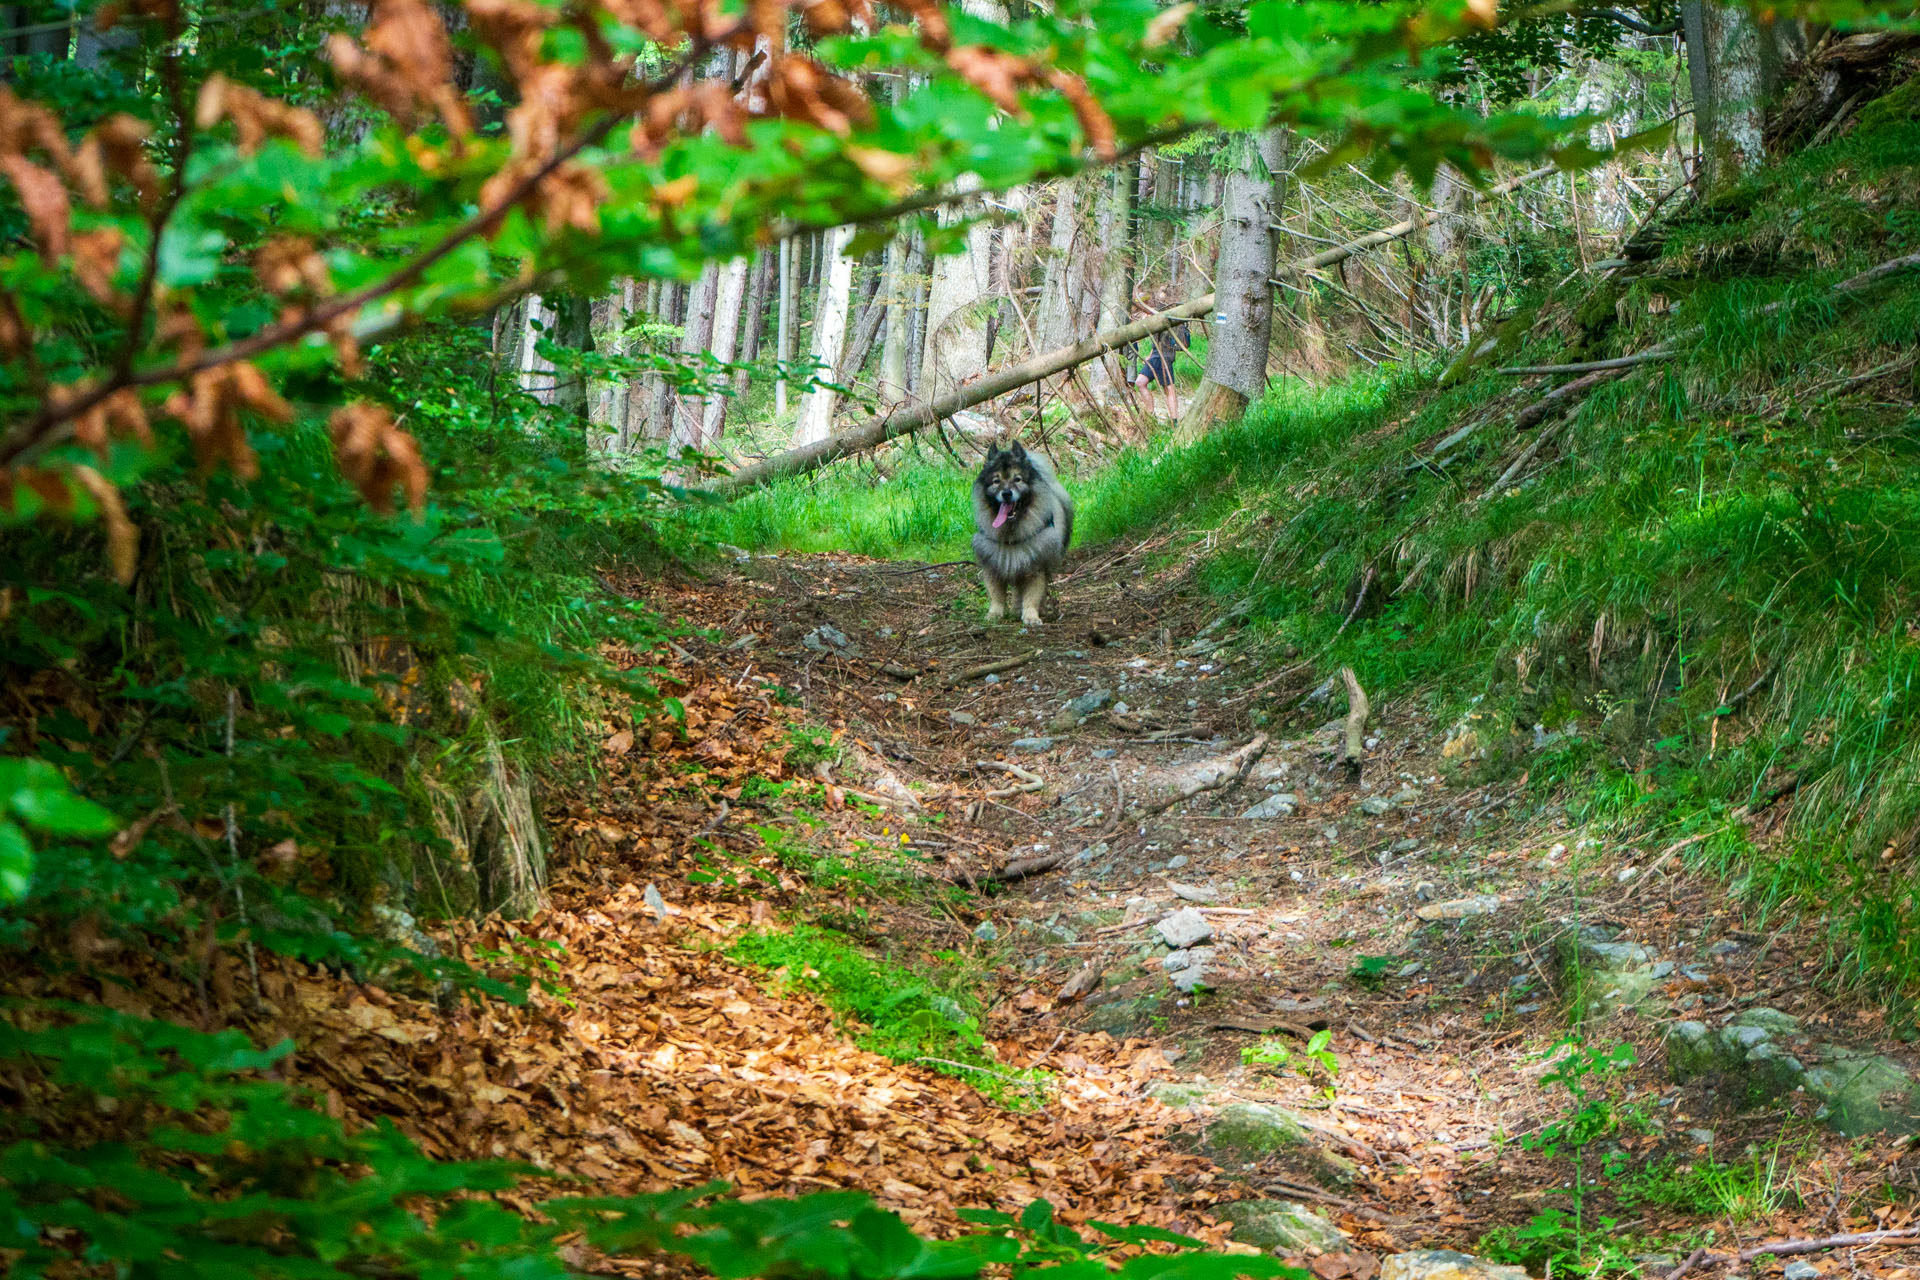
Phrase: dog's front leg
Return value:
(996, 596)
(1031, 593)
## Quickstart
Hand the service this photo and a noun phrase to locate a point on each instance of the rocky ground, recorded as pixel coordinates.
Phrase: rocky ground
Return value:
(1405, 948)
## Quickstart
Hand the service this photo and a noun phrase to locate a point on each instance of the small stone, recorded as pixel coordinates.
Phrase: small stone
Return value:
(1772, 1019)
(1190, 979)
(1031, 744)
(1179, 1093)
(1121, 708)
(1283, 1225)
(1177, 861)
(1176, 960)
(1281, 805)
(1426, 891)
(992, 678)
(655, 903)
(963, 717)
(1376, 806)
(986, 931)
(827, 638)
(1724, 947)
(1184, 928)
(1484, 904)
(1801, 1269)
(1410, 968)
(1663, 970)
(1105, 753)
(1407, 845)
(1445, 1264)
(1193, 892)
(1406, 795)
(1702, 1136)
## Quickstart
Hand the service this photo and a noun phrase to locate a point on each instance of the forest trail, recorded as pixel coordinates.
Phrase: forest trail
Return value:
(653, 1058)
(1407, 915)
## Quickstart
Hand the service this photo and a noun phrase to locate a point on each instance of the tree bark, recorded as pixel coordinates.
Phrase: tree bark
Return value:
(896, 290)
(1242, 329)
(783, 330)
(1053, 323)
(1114, 270)
(729, 294)
(865, 326)
(689, 412)
(756, 319)
(829, 334)
(1727, 65)
(956, 329)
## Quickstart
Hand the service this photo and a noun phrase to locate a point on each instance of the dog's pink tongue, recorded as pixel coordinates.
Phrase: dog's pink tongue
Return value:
(1006, 509)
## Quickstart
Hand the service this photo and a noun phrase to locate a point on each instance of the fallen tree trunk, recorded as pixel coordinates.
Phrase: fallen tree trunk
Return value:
(1167, 789)
(881, 428)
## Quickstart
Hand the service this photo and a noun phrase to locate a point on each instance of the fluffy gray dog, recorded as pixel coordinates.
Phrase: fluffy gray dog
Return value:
(1023, 521)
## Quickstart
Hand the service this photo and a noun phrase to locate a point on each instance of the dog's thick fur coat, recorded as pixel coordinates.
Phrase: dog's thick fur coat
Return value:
(1023, 521)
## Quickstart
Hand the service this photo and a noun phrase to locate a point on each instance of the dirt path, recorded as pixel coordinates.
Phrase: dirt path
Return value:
(1410, 915)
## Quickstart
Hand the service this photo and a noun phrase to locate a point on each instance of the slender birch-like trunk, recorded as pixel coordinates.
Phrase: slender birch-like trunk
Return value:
(829, 334)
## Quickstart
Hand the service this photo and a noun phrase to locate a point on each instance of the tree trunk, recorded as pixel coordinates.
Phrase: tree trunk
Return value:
(897, 291)
(920, 280)
(696, 334)
(1242, 330)
(866, 324)
(829, 334)
(659, 403)
(1053, 322)
(1727, 64)
(1114, 270)
(536, 371)
(756, 319)
(956, 344)
(729, 293)
(783, 329)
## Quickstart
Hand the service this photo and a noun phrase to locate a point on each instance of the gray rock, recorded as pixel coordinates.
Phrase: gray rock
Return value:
(1410, 968)
(987, 931)
(963, 717)
(1864, 1093)
(827, 638)
(1193, 892)
(1281, 805)
(1031, 744)
(1179, 1093)
(1376, 806)
(1247, 1132)
(1702, 1136)
(655, 903)
(1177, 861)
(1184, 928)
(1190, 979)
(1445, 1264)
(1406, 795)
(1484, 904)
(1800, 1269)
(1282, 1225)
(1080, 708)
(1105, 753)
(1780, 1024)
(1724, 947)
(1663, 970)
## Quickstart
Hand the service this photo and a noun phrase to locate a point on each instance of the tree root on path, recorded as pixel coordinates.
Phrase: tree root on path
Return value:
(989, 669)
(1216, 774)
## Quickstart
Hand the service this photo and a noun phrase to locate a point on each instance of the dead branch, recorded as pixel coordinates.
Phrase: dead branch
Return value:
(1025, 780)
(1357, 712)
(1217, 774)
(989, 669)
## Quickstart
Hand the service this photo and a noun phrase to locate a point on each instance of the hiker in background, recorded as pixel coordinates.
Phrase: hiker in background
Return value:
(1167, 344)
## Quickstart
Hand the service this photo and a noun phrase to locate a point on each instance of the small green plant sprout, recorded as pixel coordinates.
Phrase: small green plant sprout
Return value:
(1319, 1059)
(809, 745)
(1370, 971)
(1592, 1113)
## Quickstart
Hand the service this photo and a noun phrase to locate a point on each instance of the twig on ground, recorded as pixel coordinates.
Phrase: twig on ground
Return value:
(1358, 710)
(1026, 780)
(993, 668)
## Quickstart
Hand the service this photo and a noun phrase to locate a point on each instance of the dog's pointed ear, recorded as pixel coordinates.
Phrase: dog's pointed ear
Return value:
(993, 453)
(1019, 451)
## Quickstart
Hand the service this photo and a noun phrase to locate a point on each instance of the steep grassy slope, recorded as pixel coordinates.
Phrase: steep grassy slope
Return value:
(1703, 577)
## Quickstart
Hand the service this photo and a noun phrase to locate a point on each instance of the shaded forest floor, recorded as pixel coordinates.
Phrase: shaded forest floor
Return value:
(828, 771)
(1414, 915)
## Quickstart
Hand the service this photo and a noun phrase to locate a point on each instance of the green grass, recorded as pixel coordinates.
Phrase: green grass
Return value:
(1705, 581)
(901, 1012)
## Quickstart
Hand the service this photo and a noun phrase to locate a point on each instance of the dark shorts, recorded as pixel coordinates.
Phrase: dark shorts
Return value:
(1158, 369)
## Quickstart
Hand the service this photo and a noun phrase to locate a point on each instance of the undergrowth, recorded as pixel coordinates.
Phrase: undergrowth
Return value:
(1695, 599)
(902, 1013)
